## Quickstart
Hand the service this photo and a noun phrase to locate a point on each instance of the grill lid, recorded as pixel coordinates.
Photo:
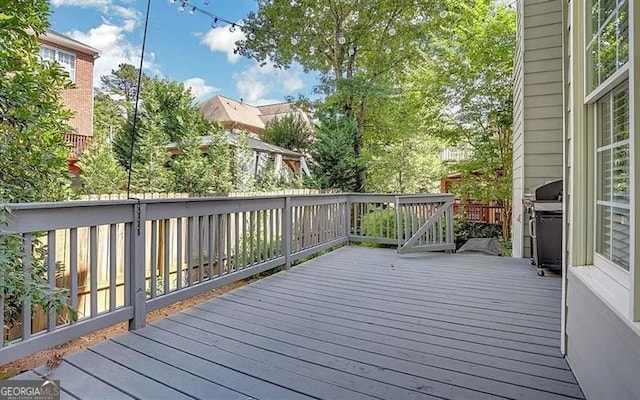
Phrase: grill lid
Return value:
(548, 191)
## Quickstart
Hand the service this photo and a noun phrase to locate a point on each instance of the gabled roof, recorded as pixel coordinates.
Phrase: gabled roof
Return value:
(66, 41)
(251, 118)
(219, 108)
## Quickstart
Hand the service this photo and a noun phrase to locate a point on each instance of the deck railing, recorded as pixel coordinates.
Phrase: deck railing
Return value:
(119, 260)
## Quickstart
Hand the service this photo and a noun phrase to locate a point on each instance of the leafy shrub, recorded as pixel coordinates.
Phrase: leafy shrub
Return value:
(465, 230)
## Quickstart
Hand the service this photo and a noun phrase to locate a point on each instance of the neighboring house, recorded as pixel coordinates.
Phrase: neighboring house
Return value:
(238, 116)
(77, 59)
(577, 82)
(295, 162)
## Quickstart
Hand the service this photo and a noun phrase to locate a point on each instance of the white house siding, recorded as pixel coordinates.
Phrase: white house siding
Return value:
(538, 107)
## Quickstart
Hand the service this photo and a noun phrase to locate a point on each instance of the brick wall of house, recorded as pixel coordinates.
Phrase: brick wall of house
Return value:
(79, 98)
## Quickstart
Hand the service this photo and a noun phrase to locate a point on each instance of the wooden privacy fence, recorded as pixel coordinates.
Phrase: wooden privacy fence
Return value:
(119, 259)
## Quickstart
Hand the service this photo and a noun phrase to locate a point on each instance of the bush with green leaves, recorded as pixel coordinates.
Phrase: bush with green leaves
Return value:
(465, 230)
(33, 154)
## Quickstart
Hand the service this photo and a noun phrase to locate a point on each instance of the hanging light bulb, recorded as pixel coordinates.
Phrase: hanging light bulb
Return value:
(352, 51)
(312, 50)
(272, 41)
(294, 40)
(232, 28)
(443, 13)
(182, 8)
(214, 23)
(392, 31)
(387, 50)
(342, 40)
(192, 11)
(252, 36)
(172, 1)
(423, 45)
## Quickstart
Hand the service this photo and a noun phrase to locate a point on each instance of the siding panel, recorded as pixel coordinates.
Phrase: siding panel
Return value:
(538, 122)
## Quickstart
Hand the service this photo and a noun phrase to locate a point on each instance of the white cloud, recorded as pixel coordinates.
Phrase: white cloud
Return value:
(257, 84)
(223, 40)
(199, 88)
(114, 48)
(102, 5)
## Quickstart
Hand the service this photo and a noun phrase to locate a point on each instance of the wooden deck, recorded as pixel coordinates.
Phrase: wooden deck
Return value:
(356, 323)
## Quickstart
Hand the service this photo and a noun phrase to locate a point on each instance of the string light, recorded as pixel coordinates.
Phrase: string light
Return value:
(232, 28)
(342, 40)
(214, 23)
(392, 32)
(192, 11)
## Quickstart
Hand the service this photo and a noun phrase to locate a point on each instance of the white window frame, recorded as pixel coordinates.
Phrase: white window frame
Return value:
(609, 268)
(592, 95)
(72, 74)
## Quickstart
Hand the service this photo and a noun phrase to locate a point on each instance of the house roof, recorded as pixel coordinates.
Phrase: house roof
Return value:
(66, 41)
(255, 144)
(251, 118)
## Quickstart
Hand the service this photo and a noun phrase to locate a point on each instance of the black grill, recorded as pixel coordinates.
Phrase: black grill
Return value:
(544, 207)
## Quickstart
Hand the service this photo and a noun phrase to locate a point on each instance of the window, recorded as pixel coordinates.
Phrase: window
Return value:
(66, 60)
(613, 180)
(608, 48)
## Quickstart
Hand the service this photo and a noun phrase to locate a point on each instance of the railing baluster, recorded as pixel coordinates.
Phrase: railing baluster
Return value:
(200, 248)
(153, 267)
(252, 227)
(166, 278)
(220, 245)
(127, 265)
(26, 303)
(93, 269)
(51, 276)
(237, 241)
(189, 251)
(179, 256)
(211, 244)
(113, 265)
(287, 220)
(227, 218)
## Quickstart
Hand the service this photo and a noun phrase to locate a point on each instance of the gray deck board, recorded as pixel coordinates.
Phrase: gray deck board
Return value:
(356, 323)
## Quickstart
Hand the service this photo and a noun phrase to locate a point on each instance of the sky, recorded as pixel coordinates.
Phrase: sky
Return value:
(180, 46)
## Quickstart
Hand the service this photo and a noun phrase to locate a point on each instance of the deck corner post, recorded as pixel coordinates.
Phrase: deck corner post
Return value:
(137, 286)
(287, 231)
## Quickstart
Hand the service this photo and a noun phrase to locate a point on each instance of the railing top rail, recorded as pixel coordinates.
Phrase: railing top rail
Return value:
(430, 197)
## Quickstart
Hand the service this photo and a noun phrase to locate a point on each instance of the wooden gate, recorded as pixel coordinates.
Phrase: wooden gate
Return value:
(425, 223)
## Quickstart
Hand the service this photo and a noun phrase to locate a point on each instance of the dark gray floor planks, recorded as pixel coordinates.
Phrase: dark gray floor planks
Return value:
(356, 323)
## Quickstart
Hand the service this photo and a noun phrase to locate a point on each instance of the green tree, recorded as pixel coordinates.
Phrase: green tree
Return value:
(335, 163)
(101, 172)
(150, 169)
(291, 132)
(220, 158)
(195, 171)
(356, 46)
(465, 81)
(33, 155)
(244, 163)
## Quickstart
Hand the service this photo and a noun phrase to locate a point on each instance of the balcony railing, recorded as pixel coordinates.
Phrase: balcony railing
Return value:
(118, 260)
(78, 143)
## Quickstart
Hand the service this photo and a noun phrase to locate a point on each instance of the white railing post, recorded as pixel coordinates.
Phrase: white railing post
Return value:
(137, 286)
(287, 231)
